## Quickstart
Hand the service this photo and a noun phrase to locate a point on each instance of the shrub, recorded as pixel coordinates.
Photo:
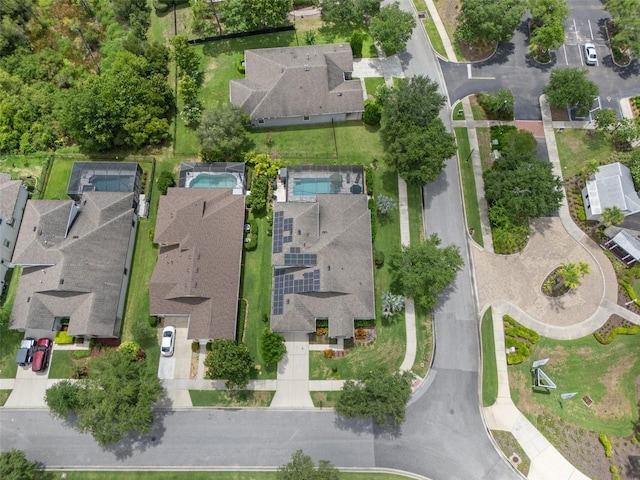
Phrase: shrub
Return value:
(372, 113)
(368, 180)
(62, 338)
(361, 334)
(209, 346)
(265, 318)
(606, 443)
(378, 258)
(616, 331)
(364, 323)
(328, 353)
(195, 347)
(240, 66)
(321, 331)
(153, 321)
(498, 132)
(131, 348)
(165, 180)
(78, 354)
(257, 201)
(310, 37)
(580, 213)
(356, 41)
(252, 244)
(497, 105)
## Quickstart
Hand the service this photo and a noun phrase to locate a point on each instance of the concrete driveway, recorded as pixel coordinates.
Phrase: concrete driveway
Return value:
(177, 366)
(29, 388)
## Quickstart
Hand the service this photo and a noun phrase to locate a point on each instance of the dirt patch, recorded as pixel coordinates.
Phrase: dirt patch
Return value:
(193, 369)
(210, 70)
(475, 52)
(614, 404)
(521, 384)
(559, 114)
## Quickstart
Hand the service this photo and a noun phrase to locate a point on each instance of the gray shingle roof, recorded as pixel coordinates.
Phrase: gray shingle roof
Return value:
(612, 186)
(297, 81)
(337, 228)
(198, 269)
(8, 195)
(80, 276)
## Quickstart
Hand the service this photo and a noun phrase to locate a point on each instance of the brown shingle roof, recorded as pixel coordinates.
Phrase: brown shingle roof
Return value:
(198, 269)
(296, 81)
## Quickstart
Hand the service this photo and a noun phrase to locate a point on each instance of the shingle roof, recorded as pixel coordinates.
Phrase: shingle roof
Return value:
(612, 186)
(198, 269)
(337, 229)
(79, 276)
(297, 81)
(9, 190)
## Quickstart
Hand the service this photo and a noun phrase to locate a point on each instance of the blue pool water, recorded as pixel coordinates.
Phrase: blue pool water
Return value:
(112, 183)
(311, 186)
(207, 180)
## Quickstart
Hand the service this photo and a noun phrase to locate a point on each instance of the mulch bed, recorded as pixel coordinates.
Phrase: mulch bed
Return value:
(614, 321)
(623, 299)
(477, 51)
(557, 288)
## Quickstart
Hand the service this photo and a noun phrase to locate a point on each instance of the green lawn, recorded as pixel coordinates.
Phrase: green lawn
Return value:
(64, 365)
(576, 148)
(589, 368)
(199, 475)
(333, 34)
(256, 291)
(20, 166)
(434, 36)
(4, 395)
(484, 144)
(347, 143)
(457, 112)
(324, 399)
(424, 335)
(222, 398)
(59, 179)
(414, 200)
(469, 191)
(489, 368)
(372, 83)
(9, 339)
(388, 349)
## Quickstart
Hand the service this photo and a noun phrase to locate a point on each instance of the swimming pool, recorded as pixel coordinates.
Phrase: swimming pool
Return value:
(311, 186)
(112, 183)
(207, 180)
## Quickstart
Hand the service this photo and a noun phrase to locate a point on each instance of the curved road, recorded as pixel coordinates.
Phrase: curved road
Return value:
(443, 437)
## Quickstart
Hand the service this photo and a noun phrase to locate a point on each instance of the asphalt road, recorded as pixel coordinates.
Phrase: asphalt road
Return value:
(513, 68)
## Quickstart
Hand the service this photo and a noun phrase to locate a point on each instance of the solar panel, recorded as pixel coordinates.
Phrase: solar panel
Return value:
(278, 223)
(300, 259)
(286, 283)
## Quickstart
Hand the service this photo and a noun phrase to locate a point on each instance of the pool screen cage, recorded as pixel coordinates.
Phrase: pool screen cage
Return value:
(189, 169)
(343, 179)
(104, 177)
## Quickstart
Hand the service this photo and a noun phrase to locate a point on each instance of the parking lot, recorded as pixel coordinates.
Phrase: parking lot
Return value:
(585, 25)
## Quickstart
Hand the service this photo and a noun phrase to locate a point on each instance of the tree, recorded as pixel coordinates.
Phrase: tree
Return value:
(349, 13)
(490, 20)
(372, 113)
(385, 204)
(165, 180)
(419, 155)
(222, 134)
(543, 10)
(378, 395)
(15, 466)
(422, 270)
(231, 361)
(498, 104)
(570, 86)
(257, 201)
(248, 15)
(203, 12)
(356, 43)
(625, 132)
(546, 37)
(612, 216)
(392, 28)
(416, 101)
(626, 16)
(114, 399)
(605, 119)
(272, 346)
(186, 58)
(391, 304)
(301, 467)
(572, 274)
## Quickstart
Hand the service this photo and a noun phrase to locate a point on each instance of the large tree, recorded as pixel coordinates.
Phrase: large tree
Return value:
(272, 346)
(301, 467)
(349, 13)
(248, 15)
(15, 466)
(571, 87)
(491, 20)
(378, 395)
(420, 153)
(392, 28)
(230, 361)
(116, 397)
(222, 134)
(626, 15)
(422, 270)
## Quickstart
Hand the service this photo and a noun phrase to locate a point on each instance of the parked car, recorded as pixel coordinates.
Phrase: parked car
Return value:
(590, 55)
(41, 355)
(168, 341)
(25, 352)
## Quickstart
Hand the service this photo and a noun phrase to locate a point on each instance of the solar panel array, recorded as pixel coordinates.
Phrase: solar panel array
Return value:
(285, 283)
(281, 227)
(300, 259)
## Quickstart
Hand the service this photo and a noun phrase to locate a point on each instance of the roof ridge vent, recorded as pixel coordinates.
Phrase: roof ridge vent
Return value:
(306, 67)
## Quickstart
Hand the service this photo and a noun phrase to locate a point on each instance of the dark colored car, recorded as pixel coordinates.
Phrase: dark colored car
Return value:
(25, 352)
(41, 355)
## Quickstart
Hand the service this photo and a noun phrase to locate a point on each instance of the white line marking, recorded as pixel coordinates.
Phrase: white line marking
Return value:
(566, 60)
(469, 75)
(590, 29)
(580, 55)
(575, 29)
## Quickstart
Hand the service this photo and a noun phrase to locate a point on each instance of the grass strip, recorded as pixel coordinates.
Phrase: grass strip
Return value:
(489, 367)
(469, 191)
(434, 36)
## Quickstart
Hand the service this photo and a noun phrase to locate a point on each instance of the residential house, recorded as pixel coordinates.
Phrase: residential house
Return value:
(610, 186)
(298, 85)
(76, 258)
(13, 199)
(322, 265)
(197, 275)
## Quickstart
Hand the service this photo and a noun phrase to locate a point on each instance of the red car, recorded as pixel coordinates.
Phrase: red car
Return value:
(41, 355)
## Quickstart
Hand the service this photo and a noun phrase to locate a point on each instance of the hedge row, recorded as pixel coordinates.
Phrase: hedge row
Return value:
(520, 337)
(606, 443)
(616, 331)
(514, 329)
(252, 244)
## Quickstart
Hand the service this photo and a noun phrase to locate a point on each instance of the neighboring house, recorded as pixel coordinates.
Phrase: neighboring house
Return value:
(105, 177)
(322, 265)
(76, 258)
(13, 198)
(610, 186)
(297, 85)
(200, 232)
(213, 175)
(623, 243)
